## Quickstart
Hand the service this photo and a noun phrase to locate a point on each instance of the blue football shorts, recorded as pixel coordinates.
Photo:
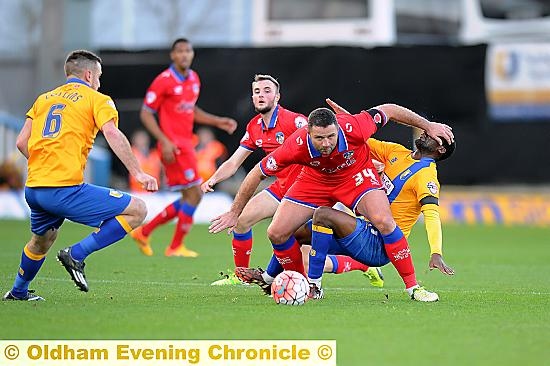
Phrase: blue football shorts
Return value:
(85, 203)
(365, 245)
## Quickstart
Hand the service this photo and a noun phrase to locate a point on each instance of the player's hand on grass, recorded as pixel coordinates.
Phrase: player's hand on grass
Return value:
(336, 107)
(227, 124)
(148, 182)
(169, 151)
(208, 186)
(436, 261)
(227, 220)
(440, 130)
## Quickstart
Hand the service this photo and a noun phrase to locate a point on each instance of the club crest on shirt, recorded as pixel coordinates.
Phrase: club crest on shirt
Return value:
(405, 174)
(300, 122)
(189, 174)
(271, 163)
(280, 137)
(432, 187)
(114, 193)
(348, 154)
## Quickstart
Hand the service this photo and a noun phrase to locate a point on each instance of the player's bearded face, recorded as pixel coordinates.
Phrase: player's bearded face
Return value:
(324, 139)
(426, 144)
(264, 96)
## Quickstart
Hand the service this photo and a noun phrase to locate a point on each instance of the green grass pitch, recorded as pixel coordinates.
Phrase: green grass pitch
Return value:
(494, 311)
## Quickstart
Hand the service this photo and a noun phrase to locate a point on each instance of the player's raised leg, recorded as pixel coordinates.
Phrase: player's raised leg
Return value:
(375, 207)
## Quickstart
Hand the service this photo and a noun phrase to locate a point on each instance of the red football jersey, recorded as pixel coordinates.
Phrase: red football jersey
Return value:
(173, 96)
(350, 155)
(283, 123)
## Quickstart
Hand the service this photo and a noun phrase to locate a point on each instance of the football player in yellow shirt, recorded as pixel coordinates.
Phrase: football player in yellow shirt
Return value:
(56, 139)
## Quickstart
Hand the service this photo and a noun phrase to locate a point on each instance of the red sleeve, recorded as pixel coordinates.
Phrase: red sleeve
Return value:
(247, 140)
(155, 94)
(370, 121)
(285, 155)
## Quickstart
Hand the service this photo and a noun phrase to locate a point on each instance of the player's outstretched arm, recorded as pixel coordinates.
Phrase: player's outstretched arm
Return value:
(229, 219)
(121, 147)
(22, 141)
(226, 170)
(227, 124)
(432, 222)
(407, 117)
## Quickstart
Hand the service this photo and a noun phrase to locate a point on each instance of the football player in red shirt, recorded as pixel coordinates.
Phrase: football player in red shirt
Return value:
(266, 131)
(172, 97)
(337, 168)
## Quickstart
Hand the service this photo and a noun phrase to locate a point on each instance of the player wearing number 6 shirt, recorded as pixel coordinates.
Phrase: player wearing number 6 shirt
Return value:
(56, 139)
(337, 168)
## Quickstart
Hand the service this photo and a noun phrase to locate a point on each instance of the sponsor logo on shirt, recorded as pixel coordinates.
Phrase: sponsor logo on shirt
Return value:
(315, 163)
(178, 89)
(245, 137)
(299, 140)
(150, 97)
(259, 142)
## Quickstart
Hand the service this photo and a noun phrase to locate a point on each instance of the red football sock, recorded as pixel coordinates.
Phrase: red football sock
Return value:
(400, 255)
(242, 248)
(182, 228)
(290, 255)
(163, 217)
(346, 264)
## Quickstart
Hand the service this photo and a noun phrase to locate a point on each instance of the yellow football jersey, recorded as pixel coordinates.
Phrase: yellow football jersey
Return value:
(407, 182)
(65, 122)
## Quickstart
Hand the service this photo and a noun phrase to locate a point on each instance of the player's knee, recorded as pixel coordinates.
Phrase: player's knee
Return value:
(321, 216)
(277, 236)
(384, 223)
(138, 212)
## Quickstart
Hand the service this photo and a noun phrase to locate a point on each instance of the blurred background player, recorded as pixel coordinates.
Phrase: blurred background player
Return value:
(266, 131)
(172, 97)
(56, 139)
(149, 159)
(210, 152)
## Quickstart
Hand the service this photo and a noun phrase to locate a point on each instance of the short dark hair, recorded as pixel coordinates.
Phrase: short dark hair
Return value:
(449, 149)
(79, 60)
(260, 77)
(321, 117)
(179, 40)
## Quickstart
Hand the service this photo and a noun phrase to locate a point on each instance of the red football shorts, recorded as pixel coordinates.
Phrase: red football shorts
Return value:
(183, 172)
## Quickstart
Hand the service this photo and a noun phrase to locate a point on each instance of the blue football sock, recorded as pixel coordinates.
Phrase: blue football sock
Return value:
(109, 232)
(320, 243)
(274, 267)
(29, 267)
